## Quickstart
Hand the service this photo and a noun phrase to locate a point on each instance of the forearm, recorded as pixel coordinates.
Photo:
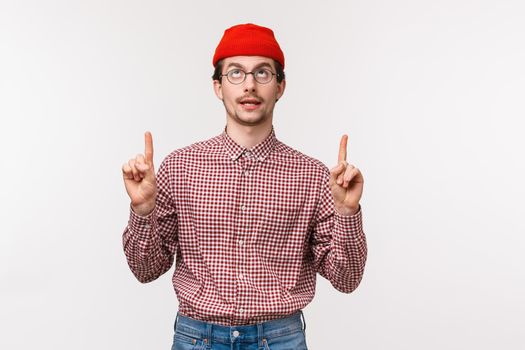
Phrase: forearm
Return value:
(143, 247)
(344, 258)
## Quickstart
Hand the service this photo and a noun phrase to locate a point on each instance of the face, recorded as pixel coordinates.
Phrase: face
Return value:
(249, 103)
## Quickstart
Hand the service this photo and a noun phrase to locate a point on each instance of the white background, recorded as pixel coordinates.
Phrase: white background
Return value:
(431, 94)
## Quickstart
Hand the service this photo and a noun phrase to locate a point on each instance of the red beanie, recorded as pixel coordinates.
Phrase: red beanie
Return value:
(248, 40)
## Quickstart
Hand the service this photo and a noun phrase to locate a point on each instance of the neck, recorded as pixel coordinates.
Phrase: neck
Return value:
(248, 135)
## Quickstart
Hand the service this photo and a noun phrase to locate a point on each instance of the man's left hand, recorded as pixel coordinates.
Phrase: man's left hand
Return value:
(346, 183)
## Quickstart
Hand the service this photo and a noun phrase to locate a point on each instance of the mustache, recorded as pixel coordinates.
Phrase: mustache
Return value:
(250, 97)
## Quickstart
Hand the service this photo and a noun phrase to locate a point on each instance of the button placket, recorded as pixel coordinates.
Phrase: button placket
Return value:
(246, 162)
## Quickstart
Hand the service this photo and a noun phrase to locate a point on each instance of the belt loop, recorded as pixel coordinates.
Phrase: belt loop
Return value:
(304, 322)
(260, 335)
(209, 334)
(175, 325)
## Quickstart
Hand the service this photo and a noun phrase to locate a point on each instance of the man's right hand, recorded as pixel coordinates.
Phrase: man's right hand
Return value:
(139, 179)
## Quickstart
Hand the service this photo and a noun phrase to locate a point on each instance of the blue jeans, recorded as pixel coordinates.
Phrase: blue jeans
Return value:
(280, 334)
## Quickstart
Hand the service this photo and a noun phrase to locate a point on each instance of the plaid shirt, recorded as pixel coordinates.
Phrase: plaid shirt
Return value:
(249, 229)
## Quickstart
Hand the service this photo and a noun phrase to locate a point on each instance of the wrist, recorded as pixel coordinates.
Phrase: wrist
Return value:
(347, 211)
(143, 209)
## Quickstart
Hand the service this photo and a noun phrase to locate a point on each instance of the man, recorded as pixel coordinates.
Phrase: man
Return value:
(249, 219)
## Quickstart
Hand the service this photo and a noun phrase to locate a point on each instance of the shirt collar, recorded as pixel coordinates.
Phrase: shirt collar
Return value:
(259, 151)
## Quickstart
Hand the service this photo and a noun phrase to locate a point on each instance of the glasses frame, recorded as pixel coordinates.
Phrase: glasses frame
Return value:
(246, 74)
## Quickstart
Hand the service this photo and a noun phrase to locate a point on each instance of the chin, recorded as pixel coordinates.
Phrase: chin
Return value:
(253, 116)
(250, 119)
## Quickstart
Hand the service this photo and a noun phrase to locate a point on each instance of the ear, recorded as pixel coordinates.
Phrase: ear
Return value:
(280, 89)
(217, 87)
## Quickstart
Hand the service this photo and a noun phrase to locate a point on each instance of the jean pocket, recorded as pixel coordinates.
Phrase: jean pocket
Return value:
(292, 341)
(182, 341)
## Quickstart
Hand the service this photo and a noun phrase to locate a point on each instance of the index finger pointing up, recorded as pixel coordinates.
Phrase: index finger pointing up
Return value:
(342, 148)
(148, 151)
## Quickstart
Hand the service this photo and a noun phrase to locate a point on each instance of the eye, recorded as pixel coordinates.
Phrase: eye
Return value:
(262, 73)
(235, 73)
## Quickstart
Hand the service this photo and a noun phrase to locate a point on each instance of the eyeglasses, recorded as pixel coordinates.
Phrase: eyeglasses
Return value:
(237, 76)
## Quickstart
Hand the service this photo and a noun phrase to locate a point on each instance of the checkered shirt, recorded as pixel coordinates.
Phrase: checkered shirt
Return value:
(249, 230)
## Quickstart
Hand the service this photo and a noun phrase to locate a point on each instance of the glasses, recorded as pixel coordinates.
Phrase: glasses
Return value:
(237, 76)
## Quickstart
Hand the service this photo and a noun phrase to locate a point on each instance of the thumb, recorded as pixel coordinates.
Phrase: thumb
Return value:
(336, 171)
(147, 170)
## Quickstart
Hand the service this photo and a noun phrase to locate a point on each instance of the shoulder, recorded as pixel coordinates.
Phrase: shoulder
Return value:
(188, 156)
(289, 153)
(205, 147)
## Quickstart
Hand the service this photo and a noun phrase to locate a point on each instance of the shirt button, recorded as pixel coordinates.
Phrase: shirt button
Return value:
(240, 242)
(241, 276)
(246, 173)
(241, 310)
(243, 207)
(235, 334)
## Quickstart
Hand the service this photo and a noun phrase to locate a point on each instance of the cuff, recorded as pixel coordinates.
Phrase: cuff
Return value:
(141, 224)
(352, 225)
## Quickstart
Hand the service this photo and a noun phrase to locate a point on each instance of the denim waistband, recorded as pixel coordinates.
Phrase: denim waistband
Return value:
(245, 333)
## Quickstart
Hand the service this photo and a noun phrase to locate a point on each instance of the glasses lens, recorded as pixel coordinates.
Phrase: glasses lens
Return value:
(263, 75)
(236, 76)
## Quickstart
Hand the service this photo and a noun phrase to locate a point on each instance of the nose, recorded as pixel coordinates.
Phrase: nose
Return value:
(249, 82)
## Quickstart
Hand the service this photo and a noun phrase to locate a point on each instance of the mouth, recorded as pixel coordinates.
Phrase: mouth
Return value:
(250, 104)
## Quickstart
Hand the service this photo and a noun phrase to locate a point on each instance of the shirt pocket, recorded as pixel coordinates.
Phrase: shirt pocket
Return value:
(279, 219)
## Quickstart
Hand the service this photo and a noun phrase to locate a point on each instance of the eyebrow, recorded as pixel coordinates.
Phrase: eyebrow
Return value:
(238, 65)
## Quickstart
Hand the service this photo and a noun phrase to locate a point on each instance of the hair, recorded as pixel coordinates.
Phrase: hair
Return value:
(279, 71)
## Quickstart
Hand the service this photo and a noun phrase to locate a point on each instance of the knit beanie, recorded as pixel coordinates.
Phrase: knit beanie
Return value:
(248, 40)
